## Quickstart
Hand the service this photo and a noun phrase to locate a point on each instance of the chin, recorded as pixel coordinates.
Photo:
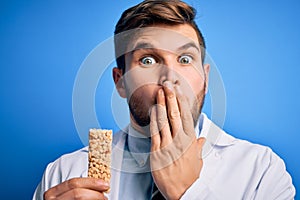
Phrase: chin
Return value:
(139, 110)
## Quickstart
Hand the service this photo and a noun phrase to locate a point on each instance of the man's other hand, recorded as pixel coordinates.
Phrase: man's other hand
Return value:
(78, 188)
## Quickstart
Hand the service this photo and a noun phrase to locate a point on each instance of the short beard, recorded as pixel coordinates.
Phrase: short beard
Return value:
(138, 110)
(197, 107)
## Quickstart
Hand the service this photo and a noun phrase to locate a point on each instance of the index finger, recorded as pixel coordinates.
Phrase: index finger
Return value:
(185, 112)
(172, 108)
(87, 183)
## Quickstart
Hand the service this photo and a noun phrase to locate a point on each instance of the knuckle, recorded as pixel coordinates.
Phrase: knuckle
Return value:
(154, 147)
(162, 116)
(73, 183)
(162, 122)
(76, 193)
(161, 109)
(153, 126)
(95, 181)
(152, 121)
(185, 115)
(171, 95)
(162, 119)
(47, 195)
(174, 114)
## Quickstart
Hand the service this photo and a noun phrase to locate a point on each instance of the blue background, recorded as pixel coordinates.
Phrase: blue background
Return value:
(255, 45)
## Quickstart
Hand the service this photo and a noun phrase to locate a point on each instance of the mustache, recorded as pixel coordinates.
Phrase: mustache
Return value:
(139, 108)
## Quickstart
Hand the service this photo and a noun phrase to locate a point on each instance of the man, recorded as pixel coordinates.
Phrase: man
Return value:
(161, 72)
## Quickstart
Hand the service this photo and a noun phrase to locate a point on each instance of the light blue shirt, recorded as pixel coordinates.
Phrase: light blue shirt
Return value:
(232, 168)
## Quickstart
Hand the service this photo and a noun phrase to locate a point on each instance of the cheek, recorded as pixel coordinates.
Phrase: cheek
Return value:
(197, 84)
(145, 95)
(193, 82)
(138, 77)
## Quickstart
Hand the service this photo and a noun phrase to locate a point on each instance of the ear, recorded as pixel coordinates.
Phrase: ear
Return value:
(119, 81)
(206, 71)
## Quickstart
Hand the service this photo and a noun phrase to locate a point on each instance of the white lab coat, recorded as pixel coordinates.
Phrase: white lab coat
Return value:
(232, 169)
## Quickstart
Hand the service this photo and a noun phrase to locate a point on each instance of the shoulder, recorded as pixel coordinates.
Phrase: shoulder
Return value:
(244, 150)
(263, 168)
(252, 151)
(72, 158)
(253, 169)
(235, 148)
(68, 166)
(254, 157)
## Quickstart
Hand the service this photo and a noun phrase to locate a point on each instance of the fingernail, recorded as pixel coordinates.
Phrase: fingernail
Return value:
(104, 183)
(161, 93)
(168, 84)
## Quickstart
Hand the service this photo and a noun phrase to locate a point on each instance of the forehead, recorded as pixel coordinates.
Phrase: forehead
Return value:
(164, 37)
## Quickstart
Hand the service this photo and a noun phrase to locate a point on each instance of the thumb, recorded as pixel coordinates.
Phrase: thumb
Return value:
(201, 141)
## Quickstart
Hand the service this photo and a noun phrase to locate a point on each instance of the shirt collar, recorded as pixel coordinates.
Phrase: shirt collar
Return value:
(138, 145)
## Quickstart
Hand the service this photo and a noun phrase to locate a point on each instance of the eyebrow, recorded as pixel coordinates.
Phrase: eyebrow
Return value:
(146, 45)
(189, 45)
(143, 45)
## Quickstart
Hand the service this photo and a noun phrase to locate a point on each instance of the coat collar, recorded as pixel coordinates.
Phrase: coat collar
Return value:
(214, 134)
(139, 146)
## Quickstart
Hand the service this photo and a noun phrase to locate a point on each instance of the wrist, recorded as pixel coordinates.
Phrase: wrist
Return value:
(174, 193)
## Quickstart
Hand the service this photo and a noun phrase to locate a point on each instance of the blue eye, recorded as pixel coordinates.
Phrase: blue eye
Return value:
(148, 60)
(185, 59)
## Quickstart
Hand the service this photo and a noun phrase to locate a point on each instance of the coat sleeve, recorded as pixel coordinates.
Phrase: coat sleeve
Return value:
(43, 185)
(64, 168)
(199, 191)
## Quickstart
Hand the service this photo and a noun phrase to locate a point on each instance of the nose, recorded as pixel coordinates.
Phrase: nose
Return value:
(168, 73)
